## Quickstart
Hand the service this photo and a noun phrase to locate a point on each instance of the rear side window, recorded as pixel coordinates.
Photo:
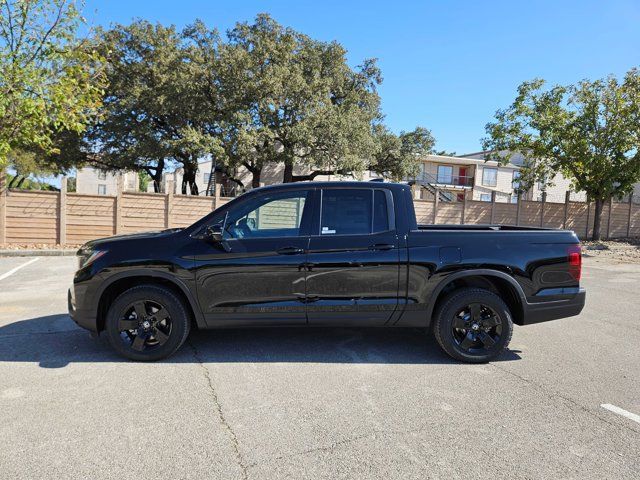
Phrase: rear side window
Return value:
(353, 212)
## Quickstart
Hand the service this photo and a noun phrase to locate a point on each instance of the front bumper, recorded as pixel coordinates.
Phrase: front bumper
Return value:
(556, 306)
(84, 317)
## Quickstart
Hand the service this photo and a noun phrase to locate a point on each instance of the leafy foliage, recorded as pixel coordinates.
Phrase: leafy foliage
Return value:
(589, 132)
(49, 80)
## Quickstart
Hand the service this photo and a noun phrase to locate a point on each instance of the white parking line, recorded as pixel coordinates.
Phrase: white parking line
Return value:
(14, 270)
(621, 411)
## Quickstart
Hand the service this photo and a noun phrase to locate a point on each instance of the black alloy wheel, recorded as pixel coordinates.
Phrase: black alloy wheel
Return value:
(144, 325)
(476, 327)
(473, 325)
(147, 322)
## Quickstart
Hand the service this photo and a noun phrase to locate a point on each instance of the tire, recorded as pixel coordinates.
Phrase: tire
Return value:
(473, 325)
(161, 331)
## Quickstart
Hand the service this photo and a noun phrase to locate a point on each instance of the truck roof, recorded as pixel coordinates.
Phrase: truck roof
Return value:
(340, 184)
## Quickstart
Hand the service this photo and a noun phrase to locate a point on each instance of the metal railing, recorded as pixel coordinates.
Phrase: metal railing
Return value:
(442, 179)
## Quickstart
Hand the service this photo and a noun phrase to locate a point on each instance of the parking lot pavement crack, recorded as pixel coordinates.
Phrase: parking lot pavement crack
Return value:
(340, 443)
(551, 394)
(218, 408)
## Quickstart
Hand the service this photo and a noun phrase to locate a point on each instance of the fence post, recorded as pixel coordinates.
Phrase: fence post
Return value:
(518, 204)
(609, 218)
(544, 201)
(62, 212)
(493, 206)
(3, 206)
(464, 207)
(118, 210)
(168, 204)
(567, 199)
(435, 205)
(629, 217)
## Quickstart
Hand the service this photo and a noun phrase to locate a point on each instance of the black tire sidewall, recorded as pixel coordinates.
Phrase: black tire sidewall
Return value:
(177, 312)
(452, 305)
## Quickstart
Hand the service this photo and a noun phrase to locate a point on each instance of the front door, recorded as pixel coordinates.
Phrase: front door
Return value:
(256, 275)
(353, 259)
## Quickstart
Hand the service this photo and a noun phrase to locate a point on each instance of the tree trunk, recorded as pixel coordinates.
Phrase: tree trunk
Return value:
(189, 179)
(157, 181)
(597, 220)
(21, 182)
(255, 180)
(288, 173)
(13, 181)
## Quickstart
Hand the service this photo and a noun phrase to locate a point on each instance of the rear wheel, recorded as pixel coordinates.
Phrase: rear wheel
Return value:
(147, 323)
(473, 325)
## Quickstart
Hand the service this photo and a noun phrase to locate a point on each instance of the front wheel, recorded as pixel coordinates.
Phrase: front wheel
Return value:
(473, 325)
(147, 323)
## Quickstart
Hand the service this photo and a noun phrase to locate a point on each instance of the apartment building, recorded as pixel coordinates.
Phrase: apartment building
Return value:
(93, 181)
(555, 187)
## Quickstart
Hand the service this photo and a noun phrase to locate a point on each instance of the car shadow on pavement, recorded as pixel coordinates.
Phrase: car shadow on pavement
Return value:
(54, 341)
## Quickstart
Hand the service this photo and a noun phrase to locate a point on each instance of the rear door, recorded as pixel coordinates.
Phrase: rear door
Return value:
(353, 258)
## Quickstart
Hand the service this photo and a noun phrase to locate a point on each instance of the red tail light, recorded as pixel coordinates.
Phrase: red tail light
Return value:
(575, 261)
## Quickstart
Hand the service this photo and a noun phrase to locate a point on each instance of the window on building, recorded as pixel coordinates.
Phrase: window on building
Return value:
(445, 174)
(102, 189)
(489, 177)
(513, 198)
(485, 197)
(206, 177)
(102, 175)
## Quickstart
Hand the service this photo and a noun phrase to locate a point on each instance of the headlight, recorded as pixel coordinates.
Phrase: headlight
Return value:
(87, 257)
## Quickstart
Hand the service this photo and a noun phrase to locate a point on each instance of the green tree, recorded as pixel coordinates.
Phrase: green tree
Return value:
(50, 80)
(151, 110)
(296, 102)
(398, 156)
(588, 132)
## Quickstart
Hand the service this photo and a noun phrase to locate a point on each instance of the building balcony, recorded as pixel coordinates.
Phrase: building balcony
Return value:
(446, 181)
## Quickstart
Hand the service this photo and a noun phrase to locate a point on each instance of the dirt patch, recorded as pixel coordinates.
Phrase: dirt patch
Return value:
(626, 250)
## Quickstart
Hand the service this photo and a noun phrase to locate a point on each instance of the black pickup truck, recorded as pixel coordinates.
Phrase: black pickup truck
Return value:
(321, 254)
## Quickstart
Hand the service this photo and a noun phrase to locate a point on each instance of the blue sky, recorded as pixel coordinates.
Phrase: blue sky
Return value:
(446, 65)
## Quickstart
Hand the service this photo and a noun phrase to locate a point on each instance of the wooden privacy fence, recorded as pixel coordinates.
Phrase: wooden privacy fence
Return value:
(40, 217)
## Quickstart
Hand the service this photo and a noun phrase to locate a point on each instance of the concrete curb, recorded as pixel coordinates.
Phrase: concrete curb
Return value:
(39, 253)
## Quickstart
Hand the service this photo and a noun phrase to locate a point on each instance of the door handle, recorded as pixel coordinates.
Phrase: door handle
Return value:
(290, 251)
(381, 246)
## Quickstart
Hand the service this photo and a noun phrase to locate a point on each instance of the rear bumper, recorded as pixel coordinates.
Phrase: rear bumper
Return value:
(557, 306)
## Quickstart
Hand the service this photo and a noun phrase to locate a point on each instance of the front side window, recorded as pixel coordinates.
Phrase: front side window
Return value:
(485, 197)
(102, 189)
(267, 216)
(354, 212)
(489, 177)
(445, 174)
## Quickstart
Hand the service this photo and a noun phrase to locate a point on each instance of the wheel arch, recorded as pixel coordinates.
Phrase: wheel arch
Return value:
(496, 281)
(121, 282)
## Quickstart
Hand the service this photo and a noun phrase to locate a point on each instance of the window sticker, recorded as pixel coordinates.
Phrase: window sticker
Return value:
(327, 231)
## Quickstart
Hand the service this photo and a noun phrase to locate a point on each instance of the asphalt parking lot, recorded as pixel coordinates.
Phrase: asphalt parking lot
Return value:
(318, 403)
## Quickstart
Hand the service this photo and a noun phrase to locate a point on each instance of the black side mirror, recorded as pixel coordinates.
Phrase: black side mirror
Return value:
(213, 233)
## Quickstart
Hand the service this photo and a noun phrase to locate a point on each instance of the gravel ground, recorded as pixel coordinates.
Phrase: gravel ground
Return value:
(624, 250)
